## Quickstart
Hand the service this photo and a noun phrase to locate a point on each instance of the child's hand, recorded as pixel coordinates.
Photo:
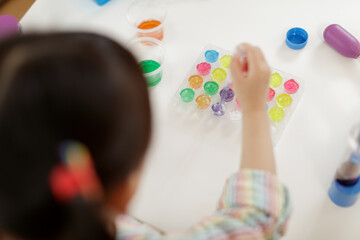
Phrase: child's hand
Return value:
(251, 74)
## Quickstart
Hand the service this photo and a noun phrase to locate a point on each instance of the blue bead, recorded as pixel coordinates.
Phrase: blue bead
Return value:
(211, 56)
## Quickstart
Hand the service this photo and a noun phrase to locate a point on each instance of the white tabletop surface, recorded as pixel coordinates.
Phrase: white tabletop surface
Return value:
(186, 168)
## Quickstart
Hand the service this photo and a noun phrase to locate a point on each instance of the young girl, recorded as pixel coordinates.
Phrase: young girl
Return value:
(75, 124)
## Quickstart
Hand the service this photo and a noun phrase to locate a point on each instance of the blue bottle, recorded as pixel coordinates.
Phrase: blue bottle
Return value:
(345, 188)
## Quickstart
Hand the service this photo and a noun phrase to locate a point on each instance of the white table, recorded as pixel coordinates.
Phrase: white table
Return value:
(183, 179)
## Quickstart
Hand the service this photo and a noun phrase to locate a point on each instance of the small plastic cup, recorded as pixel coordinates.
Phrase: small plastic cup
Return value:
(225, 61)
(271, 95)
(211, 88)
(203, 68)
(291, 86)
(296, 38)
(148, 18)
(283, 100)
(187, 95)
(150, 53)
(275, 80)
(195, 81)
(203, 101)
(9, 25)
(211, 56)
(219, 75)
(229, 94)
(276, 114)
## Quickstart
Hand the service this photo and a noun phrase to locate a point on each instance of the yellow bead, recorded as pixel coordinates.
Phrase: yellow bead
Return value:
(283, 100)
(276, 114)
(219, 75)
(275, 80)
(225, 61)
(203, 101)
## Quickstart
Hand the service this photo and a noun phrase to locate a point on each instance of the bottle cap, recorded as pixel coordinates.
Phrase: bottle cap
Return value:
(296, 38)
(101, 2)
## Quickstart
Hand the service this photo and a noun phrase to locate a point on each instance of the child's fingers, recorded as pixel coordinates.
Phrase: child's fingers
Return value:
(235, 67)
(250, 53)
(257, 57)
(261, 65)
(261, 57)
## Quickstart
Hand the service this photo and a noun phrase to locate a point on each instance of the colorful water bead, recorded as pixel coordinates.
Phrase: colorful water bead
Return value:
(276, 114)
(229, 94)
(203, 68)
(187, 95)
(291, 86)
(195, 81)
(271, 95)
(218, 109)
(211, 56)
(218, 75)
(275, 80)
(211, 88)
(283, 100)
(203, 101)
(225, 61)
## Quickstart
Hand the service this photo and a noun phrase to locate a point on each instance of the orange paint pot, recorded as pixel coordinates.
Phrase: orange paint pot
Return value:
(148, 18)
(151, 28)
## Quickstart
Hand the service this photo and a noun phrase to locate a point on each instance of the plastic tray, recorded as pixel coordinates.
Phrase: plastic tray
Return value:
(232, 109)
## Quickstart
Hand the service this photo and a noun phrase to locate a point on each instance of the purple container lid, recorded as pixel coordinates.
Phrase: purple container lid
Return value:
(342, 41)
(8, 25)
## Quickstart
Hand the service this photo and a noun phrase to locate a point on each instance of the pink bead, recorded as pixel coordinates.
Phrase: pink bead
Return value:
(271, 94)
(203, 68)
(291, 86)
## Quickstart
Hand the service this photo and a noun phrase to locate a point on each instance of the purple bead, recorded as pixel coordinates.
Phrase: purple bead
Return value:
(229, 94)
(218, 110)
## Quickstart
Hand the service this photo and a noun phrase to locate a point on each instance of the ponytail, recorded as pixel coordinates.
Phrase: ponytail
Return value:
(75, 185)
(70, 208)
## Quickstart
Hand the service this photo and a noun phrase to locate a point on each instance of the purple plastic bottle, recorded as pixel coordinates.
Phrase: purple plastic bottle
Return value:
(342, 41)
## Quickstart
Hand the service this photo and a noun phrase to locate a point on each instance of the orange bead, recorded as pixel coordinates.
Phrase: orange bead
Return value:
(195, 81)
(203, 101)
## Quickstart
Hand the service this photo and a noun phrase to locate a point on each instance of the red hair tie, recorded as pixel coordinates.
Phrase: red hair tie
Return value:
(75, 175)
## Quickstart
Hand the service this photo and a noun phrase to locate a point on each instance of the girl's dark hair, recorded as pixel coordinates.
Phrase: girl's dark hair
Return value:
(56, 87)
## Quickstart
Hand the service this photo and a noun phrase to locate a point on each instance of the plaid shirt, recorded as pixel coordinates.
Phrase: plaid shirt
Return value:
(254, 205)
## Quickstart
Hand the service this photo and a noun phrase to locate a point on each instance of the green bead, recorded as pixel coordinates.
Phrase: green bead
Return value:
(187, 95)
(211, 88)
